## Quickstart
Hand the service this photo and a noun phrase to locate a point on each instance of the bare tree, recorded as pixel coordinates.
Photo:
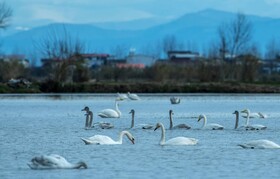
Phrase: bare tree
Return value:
(235, 36)
(272, 49)
(170, 43)
(223, 40)
(60, 46)
(5, 15)
(153, 49)
(120, 51)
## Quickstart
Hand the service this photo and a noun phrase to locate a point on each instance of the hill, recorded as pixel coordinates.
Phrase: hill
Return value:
(198, 28)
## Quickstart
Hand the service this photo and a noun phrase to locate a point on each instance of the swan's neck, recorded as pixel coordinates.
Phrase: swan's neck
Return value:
(171, 121)
(247, 118)
(132, 120)
(117, 108)
(162, 140)
(204, 121)
(121, 137)
(236, 121)
(90, 116)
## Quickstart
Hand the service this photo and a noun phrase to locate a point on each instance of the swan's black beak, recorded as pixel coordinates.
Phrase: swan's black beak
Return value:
(132, 140)
(156, 128)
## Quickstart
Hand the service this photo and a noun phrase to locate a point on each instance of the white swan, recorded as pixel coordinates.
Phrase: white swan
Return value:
(143, 126)
(255, 126)
(111, 113)
(175, 100)
(256, 115)
(121, 97)
(105, 140)
(237, 123)
(89, 120)
(260, 144)
(176, 140)
(53, 161)
(179, 126)
(133, 96)
(209, 126)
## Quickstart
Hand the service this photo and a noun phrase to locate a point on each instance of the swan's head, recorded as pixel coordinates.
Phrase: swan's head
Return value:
(246, 111)
(235, 112)
(171, 112)
(132, 111)
(157, 126)
(81, 164)
(130, 137)
(86, 109)
(202, 116)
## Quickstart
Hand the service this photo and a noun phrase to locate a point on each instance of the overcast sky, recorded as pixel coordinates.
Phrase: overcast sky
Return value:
(85, 11)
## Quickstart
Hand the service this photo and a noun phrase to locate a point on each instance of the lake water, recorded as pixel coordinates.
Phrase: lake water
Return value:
(32, 125)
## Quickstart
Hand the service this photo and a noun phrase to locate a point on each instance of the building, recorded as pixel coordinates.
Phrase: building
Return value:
(139, 60)
(16, 57)
(92, 60)
(182, 56)
(270, 66)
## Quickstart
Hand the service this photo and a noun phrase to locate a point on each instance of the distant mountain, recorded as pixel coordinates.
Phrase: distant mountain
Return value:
(138, 24)
(198, 28)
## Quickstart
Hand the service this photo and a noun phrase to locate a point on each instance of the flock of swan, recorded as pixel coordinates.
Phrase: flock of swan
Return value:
(54, 161)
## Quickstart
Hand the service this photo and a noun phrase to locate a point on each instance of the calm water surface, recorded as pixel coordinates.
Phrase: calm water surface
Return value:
(33, 125)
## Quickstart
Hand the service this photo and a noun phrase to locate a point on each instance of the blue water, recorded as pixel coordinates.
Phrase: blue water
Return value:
(32, 125)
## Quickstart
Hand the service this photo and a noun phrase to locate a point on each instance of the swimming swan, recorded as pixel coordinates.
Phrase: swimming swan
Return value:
(53, 161)
(143, 126)
(256, 115)
(89, 120)
(179, 126)
(175, 100)
(105, 140)
(209, 126)
(237, 123)
(176, 140)
(260, 144)
(255, 126)
(121, 97)
(133, 96)
(111, 113)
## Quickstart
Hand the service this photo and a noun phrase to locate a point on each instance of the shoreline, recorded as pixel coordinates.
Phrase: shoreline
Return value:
(144, 87)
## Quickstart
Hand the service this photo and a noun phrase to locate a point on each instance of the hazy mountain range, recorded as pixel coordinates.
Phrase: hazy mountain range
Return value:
(198, 29)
